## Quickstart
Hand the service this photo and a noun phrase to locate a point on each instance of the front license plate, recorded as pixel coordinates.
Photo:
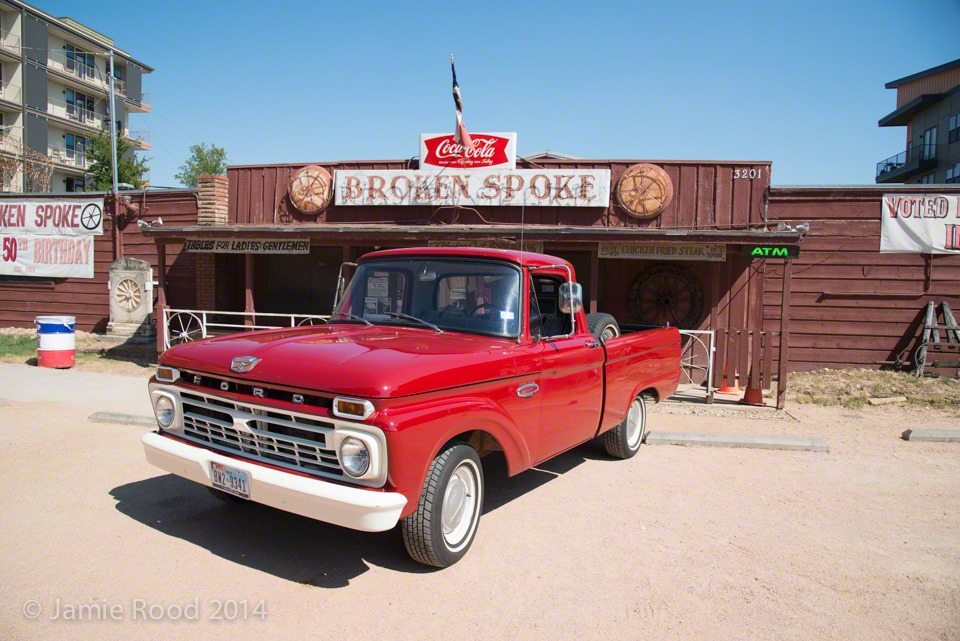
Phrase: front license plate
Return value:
(230, 480)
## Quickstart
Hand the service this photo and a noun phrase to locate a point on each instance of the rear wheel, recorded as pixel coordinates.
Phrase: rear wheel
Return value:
(442, 529)
(603, 326)
(624, 440)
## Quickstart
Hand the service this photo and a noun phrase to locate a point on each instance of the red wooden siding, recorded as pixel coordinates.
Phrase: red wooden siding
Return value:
(706, 196)
(88, 299)
(851, 305)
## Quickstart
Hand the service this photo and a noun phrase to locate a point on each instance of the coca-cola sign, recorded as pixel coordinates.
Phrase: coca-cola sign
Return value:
(489, 150)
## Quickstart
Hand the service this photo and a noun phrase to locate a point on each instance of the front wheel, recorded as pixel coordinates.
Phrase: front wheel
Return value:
(440, 532)
(624, 440)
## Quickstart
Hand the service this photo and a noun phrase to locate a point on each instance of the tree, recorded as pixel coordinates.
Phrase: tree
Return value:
(202, 162)
(130, 168)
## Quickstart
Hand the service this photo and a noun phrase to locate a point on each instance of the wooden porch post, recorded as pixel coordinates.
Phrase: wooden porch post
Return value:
(784, 357)
(161, 292)
(594, 278)
(714, 320)
(248, 287)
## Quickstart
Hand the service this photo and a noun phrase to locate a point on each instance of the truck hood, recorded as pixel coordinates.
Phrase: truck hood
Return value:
(369, 362)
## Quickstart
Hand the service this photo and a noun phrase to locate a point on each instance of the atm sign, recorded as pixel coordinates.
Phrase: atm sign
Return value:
(769, 251)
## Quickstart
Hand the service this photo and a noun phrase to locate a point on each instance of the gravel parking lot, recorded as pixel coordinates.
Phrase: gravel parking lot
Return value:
(677, 543)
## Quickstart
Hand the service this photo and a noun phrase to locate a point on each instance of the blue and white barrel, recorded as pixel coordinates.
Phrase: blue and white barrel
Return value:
(56, 341)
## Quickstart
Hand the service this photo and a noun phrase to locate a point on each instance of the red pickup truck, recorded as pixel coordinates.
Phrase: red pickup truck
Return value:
(432, 359)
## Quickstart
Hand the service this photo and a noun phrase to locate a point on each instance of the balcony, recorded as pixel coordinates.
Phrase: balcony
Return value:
(76, 113)
(11, 139)
(80, 70)
(10, 42)
(71, 157)
(11, 93)
(898, 168)
(139, 138)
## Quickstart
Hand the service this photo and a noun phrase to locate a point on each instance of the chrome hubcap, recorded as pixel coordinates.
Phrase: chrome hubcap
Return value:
(635, 424)
(608, 333)
(459, 505)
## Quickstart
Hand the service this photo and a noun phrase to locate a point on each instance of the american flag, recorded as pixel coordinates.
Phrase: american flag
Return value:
(460, 134)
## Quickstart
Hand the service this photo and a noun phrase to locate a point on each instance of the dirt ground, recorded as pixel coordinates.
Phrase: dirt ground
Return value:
(18, 346)
(676, 543)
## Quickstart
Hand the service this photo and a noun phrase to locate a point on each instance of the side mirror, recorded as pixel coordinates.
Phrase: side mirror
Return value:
(571, 298)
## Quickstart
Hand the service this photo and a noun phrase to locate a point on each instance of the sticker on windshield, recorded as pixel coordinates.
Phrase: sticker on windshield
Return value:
(506, 315)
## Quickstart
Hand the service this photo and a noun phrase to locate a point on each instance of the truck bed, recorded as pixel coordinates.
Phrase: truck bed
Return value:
(641, 358)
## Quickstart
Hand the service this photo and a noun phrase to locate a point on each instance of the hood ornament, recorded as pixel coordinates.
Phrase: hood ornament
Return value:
(243, 364)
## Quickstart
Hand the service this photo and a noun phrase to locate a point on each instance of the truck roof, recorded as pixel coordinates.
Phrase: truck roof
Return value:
(527, 259)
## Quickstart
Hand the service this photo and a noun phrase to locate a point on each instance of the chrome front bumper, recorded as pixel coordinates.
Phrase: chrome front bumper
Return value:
(359, 509)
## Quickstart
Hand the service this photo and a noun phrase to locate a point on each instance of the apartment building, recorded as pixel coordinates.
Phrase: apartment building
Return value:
(54, 93)
(928, 105)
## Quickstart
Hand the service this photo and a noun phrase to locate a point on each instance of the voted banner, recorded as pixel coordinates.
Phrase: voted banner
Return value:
(922, 224)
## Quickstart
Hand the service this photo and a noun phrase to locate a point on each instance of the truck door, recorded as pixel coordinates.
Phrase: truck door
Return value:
(571, 389)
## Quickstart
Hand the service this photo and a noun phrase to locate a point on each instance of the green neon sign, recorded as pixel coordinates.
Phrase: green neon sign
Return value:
(769, 251)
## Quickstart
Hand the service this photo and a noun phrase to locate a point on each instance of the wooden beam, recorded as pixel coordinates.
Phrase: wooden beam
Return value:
(594, 278)
(714, 326)
(161, 292)
(248, 290)
(784, 356)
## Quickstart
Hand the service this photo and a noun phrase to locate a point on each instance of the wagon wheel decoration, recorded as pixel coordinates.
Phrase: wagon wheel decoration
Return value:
(309, 320)
(91, 216)
(310, 189)
(694, 360)
(644, 190)
(667, 295)
(183, 327)
(129, 294)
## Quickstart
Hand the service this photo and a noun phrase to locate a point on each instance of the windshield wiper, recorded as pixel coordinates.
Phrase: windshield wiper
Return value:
(354, 317)
(413, 318)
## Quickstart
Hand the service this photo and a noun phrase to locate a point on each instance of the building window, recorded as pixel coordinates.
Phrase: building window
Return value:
(928, 149)
(954, 132)
(926, 180)
(75, 184)
(953, 173)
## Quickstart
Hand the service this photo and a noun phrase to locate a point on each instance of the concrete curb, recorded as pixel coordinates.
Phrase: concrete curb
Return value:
(122, 419)
(935, 436)
(795, 443)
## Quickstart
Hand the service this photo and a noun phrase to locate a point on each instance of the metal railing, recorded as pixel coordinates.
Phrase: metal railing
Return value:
(73, 157)
(914, 154)
(11, 138)
(9, 40)
(58, 60)
(142, 136)
(145, 98)
(11, 92)
(186, 325)
(76, 113)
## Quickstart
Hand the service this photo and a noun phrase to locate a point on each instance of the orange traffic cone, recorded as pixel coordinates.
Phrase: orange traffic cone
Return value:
(726, 389)
(752, 395)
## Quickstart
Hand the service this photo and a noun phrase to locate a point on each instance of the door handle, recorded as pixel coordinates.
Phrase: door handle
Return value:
(591, 344)
(527, 390)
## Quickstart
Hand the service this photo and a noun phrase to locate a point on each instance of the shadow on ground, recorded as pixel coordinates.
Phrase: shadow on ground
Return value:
(296, 548)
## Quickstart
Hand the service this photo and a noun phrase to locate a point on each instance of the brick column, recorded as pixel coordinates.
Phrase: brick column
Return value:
(213, 200)
(213, 211)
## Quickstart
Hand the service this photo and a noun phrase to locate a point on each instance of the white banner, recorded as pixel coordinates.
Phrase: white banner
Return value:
(248, 246)
(51, 217)
(664, 251)
(475, 187)
(60, 256)
(924, 224)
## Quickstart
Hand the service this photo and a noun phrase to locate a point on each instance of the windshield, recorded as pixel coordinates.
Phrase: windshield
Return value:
(470, 296)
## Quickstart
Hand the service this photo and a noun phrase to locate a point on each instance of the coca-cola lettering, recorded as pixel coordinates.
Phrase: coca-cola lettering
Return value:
(488, 150)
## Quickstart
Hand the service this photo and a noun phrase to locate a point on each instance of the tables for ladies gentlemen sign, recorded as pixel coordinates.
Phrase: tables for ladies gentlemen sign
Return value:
(475, 187)
(925, 224)
(49, 237)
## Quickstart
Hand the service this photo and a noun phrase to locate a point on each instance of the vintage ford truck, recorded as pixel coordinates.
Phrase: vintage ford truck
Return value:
(432, 359)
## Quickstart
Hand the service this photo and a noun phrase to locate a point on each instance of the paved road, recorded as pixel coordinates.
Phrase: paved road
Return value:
(83, 390)
(677, 543)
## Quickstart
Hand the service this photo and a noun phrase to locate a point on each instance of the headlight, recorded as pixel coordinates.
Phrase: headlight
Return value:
(354, 456)
(165, 411)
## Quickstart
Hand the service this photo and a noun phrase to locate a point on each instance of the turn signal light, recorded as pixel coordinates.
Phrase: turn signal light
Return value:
(352, 408)
(167, 374)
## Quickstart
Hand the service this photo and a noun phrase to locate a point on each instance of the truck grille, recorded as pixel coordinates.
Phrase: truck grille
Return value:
(286, 439)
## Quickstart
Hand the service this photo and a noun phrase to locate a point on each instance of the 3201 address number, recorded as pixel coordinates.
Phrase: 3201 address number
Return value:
(747, 173)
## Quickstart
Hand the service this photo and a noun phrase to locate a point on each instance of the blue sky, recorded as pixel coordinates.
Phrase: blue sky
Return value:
(798, 83)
